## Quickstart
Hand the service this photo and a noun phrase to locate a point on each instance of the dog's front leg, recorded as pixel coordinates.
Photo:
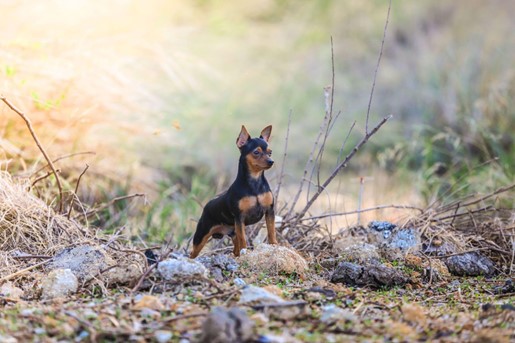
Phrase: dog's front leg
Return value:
(241, 239)
(270, 225)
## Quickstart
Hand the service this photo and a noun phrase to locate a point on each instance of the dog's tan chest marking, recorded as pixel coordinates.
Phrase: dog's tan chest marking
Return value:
(247, 203)
(266, 199)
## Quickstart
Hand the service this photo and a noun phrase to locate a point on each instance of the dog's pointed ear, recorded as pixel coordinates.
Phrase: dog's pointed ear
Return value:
(243, 137)
(265, 134)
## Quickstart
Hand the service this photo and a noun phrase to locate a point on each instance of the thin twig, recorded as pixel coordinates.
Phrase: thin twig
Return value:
(380, 207)
(377, 66)
(43, 177)
(281, 173)
(76, 189)
(23, 271)
(65, 156)
(28, 257)
(38, 143)
(114, 200)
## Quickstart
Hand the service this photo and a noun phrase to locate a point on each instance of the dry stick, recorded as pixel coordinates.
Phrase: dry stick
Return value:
(330, 122)
(281, 174)
(29, 126)
(76, 189)
(43, 177)
(377, 66)
(342, 165)
(19, 272)
(327, 126)
(113, 201)
(308, 163)
(380, 207)
(497, 191)
(65, 156)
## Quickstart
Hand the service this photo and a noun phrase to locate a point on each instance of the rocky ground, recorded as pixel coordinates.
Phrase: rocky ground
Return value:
(382, 288)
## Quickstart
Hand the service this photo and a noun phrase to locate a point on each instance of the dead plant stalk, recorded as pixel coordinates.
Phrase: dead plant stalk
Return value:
(38, 143)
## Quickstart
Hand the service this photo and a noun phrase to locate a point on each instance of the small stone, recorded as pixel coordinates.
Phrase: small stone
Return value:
(332, 313)
(59, 283)
(181, 270)
(220, 266)
(149, 302)
(239, 282)
(163, 336)
(470, 264)
(223, 325)
(375, 275)
(148, 313)
(360, 253)
(7, 339)
(11, 291)
(251, 295)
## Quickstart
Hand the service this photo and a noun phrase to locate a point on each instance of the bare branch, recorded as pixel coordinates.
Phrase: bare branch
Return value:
(31, 129)
(281, 173)
(65, 156)
(377, 66)
(340, 166)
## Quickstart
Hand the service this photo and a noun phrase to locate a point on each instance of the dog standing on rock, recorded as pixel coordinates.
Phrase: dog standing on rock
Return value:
(247, 200)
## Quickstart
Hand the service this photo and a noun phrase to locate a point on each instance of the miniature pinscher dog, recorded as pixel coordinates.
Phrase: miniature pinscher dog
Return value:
(246, 200)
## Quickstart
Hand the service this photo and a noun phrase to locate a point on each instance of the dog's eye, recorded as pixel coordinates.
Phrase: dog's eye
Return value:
(256, 152)
(269, 152)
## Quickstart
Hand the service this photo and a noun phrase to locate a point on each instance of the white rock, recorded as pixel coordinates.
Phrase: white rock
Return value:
(59, 283)
(182, 269)
(257, 295)
(163, 336)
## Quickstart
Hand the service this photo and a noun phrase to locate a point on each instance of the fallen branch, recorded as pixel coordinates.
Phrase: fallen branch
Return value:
(23, 271)
(50, 163)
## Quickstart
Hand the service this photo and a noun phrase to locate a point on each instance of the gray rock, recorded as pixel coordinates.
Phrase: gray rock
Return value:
(239, 282)
(332, 313)
(388, 236)
(180, 270)
(470, 264)
(404, 239)
(251, 295)
(59, 283)
(218, 264)
(85, 261)
(226, 325)
(360, 253)
(375, 275)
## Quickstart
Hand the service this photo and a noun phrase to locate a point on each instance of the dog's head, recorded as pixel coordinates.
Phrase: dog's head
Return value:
(256, 151)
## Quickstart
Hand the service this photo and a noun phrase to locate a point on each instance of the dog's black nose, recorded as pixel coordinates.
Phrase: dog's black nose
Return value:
(270, 162)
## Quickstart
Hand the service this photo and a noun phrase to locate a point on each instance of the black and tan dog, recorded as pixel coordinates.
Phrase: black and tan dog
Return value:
(245, 202)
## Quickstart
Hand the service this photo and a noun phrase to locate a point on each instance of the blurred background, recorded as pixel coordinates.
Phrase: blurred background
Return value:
(154, 94)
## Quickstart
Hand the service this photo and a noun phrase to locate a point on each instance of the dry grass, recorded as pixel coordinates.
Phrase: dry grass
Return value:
(29, 226)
